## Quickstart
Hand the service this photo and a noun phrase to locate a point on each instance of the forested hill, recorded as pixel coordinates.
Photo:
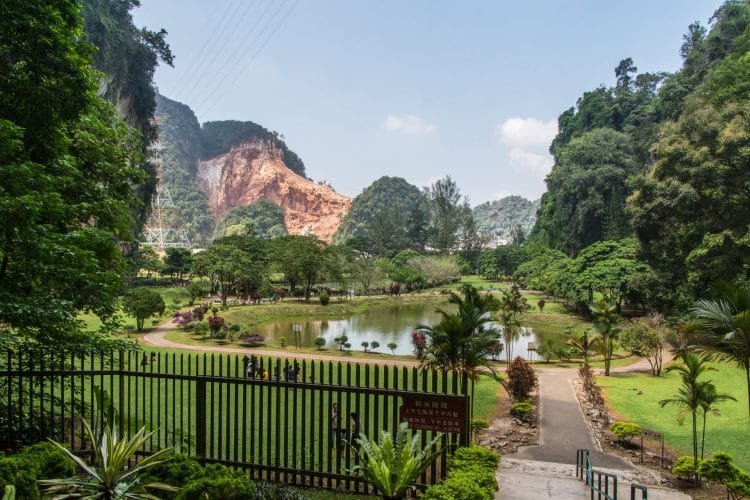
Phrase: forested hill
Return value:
(662, 157)
(498, 219)
(184, 143)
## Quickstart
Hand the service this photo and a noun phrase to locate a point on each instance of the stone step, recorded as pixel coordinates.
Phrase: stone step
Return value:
(531, 479)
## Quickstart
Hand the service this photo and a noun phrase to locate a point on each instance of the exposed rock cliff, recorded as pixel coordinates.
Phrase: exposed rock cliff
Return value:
(255, 170)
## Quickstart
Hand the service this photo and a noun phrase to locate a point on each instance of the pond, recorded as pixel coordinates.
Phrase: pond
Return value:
(383, 324)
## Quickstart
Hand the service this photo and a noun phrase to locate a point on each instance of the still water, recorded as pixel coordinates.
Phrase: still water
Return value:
(384, 325)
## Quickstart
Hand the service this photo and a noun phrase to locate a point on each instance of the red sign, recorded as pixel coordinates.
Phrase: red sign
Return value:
(437, 412)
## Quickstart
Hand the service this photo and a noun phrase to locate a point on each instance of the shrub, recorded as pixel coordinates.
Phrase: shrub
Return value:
(720, 468)
(176, 471)
(39, 461)
(374, 344)
(471, 476)
(625, 431)
(521, 379)
(324, 298)
(684, 467)
(320, 342)
(475, 455)
(522, 409)
(226, 488)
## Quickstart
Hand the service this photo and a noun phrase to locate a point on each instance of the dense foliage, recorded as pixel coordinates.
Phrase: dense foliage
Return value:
(262, 218)
(69, 163)
(662, 157)
(388, 216)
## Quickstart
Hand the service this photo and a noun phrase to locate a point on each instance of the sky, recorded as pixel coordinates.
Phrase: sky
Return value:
(418, 89)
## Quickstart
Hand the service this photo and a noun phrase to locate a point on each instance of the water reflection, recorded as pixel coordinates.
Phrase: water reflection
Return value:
(383, 325)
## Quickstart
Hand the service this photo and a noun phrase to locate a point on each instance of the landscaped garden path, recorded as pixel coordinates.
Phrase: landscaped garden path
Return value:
(547, 470)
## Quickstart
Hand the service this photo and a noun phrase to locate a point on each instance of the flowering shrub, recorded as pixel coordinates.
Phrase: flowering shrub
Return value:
(183, 319)
(253, 339)
(215, 324)
(419, 340)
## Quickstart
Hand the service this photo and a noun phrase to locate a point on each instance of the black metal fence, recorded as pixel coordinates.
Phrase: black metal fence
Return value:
(274, 418)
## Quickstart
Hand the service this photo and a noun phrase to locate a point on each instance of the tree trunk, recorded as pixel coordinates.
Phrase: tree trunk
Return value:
(695, 449)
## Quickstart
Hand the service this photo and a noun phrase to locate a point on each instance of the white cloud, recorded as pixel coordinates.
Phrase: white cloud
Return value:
(408, 125)
(521, 132)
(528, 140)
(538, 164)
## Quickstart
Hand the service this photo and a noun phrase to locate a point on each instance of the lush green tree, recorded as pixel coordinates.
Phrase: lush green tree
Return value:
(142, 303)
(502, 261)
(470, 240)
(606, 320)
(444, 199)
(725, 327)
(587, 190)
(646, 337)
(234, 264)
(688, 398)
(263, 218)
(177, 261)
(69, 165)
(304, 260)
(149, 260)
(388, 216)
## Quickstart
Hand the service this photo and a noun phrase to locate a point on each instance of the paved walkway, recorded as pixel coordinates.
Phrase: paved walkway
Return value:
(547, 470)
(562, 427)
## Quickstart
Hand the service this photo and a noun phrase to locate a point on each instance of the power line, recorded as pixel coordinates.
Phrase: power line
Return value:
(259, 50)
(254, 34)
(204, 52)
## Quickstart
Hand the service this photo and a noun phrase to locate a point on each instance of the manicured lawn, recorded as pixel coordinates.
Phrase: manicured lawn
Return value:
(636, 398)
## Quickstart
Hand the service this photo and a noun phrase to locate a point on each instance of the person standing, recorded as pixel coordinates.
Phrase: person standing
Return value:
(335, 421)
(354, 432)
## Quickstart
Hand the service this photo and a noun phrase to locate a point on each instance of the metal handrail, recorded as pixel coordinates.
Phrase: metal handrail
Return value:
(601, 483)
(639, 487)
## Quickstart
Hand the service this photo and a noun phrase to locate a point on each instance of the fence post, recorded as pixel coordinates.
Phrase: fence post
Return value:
(200, 418)
(121, 394)
(466, 434)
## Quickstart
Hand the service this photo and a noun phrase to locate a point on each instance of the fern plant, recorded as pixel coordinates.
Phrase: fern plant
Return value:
(110, 477)
(393, 465)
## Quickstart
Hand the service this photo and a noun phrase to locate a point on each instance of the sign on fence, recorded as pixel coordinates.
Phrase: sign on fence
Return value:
(440, 413)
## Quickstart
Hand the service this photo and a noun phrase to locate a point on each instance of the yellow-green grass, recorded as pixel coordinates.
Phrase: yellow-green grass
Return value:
(635, 398)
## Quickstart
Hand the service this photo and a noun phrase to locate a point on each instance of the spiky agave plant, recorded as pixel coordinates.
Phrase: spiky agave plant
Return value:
(394, 465)
(109, 478)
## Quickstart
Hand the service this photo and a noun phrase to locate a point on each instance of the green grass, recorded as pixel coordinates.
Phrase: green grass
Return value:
(635, 397)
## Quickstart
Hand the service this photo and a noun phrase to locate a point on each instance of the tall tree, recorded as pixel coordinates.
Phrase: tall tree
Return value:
(69, 165)
(688, 399)
(444, 198)
(606, 319)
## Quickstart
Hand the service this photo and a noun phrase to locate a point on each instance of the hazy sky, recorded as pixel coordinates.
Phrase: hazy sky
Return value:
(411, 88)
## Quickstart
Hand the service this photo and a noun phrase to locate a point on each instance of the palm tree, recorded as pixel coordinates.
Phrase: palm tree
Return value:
(512, 306)
(708, 397)
(688, 398)
(584, 343)
(605, 320)
(725, 329)
(462, 342)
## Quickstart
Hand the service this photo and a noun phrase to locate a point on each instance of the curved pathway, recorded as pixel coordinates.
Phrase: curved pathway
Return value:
(158, 338)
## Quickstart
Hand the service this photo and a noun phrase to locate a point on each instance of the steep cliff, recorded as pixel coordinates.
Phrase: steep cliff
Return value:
(255, 170)
(226, 164)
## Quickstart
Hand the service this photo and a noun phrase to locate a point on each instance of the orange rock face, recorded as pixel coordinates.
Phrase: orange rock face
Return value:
(254, 171)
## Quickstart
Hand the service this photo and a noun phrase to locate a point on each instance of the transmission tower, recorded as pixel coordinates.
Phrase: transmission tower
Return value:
(163, 229)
